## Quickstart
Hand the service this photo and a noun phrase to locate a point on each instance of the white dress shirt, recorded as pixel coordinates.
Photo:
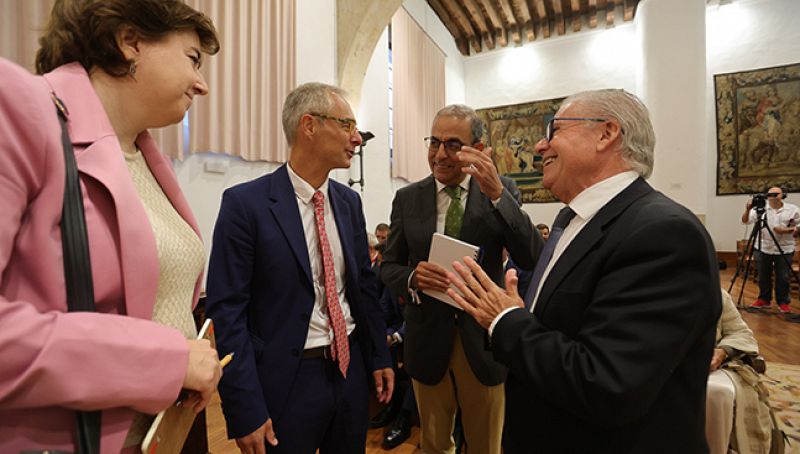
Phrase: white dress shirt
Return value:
(320, 332)
(585, 205)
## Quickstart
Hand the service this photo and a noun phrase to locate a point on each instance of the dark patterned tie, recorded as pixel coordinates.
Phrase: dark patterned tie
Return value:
(340, 350)
(455, 212)
(564, 216)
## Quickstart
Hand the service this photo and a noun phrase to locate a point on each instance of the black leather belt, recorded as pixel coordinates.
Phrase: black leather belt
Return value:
(317, 352)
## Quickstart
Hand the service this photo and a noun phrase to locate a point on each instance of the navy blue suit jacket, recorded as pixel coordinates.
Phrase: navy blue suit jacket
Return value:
(261, 294)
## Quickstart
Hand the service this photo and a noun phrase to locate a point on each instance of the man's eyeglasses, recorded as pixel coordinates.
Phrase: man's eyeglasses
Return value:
(348, 124)
(450, 145)
(551, 128)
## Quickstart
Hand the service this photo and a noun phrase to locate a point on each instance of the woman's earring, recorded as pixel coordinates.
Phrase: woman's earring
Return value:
(132, 69)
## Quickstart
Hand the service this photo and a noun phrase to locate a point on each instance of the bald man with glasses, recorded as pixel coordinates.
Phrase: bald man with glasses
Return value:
(445, 349)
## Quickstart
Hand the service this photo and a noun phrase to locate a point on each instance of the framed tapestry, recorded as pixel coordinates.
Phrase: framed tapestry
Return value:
(758, 130)
(512, 132)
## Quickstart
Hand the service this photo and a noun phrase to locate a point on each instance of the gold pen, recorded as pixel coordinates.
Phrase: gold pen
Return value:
(224, 361)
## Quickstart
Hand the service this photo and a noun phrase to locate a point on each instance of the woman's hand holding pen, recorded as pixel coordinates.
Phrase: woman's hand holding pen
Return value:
(203, 373)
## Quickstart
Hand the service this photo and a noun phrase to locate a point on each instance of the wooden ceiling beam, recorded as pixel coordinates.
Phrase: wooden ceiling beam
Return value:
(508, 17)
(558, 17)
(494, 19)
(461, 42)
(575, 5)
(630, 10)
(478, 18)
(523, 14)
(463, 22)
(592, 13)
(544, 20)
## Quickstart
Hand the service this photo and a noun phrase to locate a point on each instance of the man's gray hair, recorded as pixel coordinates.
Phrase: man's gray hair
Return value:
(638, 137)
(466, 112)
(312, 97)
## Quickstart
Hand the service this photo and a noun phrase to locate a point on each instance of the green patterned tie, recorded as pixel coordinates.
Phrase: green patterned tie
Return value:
(455, 212)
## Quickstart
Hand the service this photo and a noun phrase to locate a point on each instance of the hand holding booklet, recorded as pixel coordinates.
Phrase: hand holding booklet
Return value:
(444, 251)
(169, 430)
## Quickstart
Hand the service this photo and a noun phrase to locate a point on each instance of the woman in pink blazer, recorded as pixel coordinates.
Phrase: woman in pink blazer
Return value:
(120, 69)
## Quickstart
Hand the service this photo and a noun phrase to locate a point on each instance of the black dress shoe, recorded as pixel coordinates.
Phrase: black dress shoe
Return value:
(383, 418)
(398, 432)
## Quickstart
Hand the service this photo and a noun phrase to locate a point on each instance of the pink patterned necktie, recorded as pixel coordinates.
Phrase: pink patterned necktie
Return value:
(340, 350)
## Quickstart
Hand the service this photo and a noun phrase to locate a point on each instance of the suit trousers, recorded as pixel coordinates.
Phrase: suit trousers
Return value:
(325, 411)
(482, 409)
(720, 397)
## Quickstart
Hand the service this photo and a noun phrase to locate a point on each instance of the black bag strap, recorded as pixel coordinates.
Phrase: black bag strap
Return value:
(77, 271)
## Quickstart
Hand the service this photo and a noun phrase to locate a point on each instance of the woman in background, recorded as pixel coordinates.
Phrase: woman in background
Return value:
(120, 67)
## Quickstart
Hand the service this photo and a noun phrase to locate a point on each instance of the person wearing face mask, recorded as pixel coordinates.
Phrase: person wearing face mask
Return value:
(120, 67)
(781, 218)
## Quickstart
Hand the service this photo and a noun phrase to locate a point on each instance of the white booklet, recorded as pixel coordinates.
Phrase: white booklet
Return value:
(444, 251)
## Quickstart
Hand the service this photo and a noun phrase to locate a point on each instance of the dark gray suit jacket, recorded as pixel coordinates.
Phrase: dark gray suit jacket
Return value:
(430, 326)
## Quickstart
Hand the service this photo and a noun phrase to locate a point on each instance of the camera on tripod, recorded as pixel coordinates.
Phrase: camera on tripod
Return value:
(759, 202)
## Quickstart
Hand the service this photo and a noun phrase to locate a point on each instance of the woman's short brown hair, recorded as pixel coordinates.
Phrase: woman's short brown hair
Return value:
(85, 31)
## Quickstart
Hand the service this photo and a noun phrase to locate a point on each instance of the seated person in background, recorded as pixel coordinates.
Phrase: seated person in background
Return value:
(544, 230)
(375, 253)
(382, 232)
(734, 385)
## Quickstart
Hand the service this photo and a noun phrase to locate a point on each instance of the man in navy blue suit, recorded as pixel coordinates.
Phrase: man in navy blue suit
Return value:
(291, 292)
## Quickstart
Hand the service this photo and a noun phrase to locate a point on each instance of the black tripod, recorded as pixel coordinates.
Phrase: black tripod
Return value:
(755, 237)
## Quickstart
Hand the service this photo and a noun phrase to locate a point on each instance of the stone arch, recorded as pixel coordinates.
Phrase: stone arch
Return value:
(359, 24)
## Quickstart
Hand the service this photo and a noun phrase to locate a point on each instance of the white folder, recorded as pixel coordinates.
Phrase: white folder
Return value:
(444, 251)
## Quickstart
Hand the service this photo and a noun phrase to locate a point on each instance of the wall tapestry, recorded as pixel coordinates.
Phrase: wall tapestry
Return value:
(512, 132)
(758, 130)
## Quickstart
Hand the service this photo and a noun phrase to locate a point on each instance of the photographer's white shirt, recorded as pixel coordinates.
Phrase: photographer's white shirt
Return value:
(786, 216)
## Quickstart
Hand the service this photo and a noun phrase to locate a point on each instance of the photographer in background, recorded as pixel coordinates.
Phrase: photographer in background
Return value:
(781, 219)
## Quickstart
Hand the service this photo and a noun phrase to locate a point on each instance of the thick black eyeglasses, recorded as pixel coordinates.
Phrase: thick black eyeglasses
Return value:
(348, 124)
(551, 128)
(450, 145)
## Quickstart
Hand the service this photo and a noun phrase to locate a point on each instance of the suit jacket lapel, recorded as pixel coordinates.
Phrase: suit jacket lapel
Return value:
(341, 215)
(587, 238)
(426, 212)
(283, 205)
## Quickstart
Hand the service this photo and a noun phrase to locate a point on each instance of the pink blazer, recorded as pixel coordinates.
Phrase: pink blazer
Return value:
(53, 362)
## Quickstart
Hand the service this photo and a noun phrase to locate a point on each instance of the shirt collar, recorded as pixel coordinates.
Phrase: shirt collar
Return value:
(591, 199)
(464, 185)
(302, 189)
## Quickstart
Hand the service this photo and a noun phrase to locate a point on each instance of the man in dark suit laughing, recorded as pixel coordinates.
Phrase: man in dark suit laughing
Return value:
(609, 350)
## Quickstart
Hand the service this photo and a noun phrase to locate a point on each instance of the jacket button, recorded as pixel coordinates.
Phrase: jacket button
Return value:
(295, 352)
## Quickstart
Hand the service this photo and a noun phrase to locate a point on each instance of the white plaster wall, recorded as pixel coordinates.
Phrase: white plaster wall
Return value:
(743, 35)
(552, 68)
(373, 116)
(673, 67)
